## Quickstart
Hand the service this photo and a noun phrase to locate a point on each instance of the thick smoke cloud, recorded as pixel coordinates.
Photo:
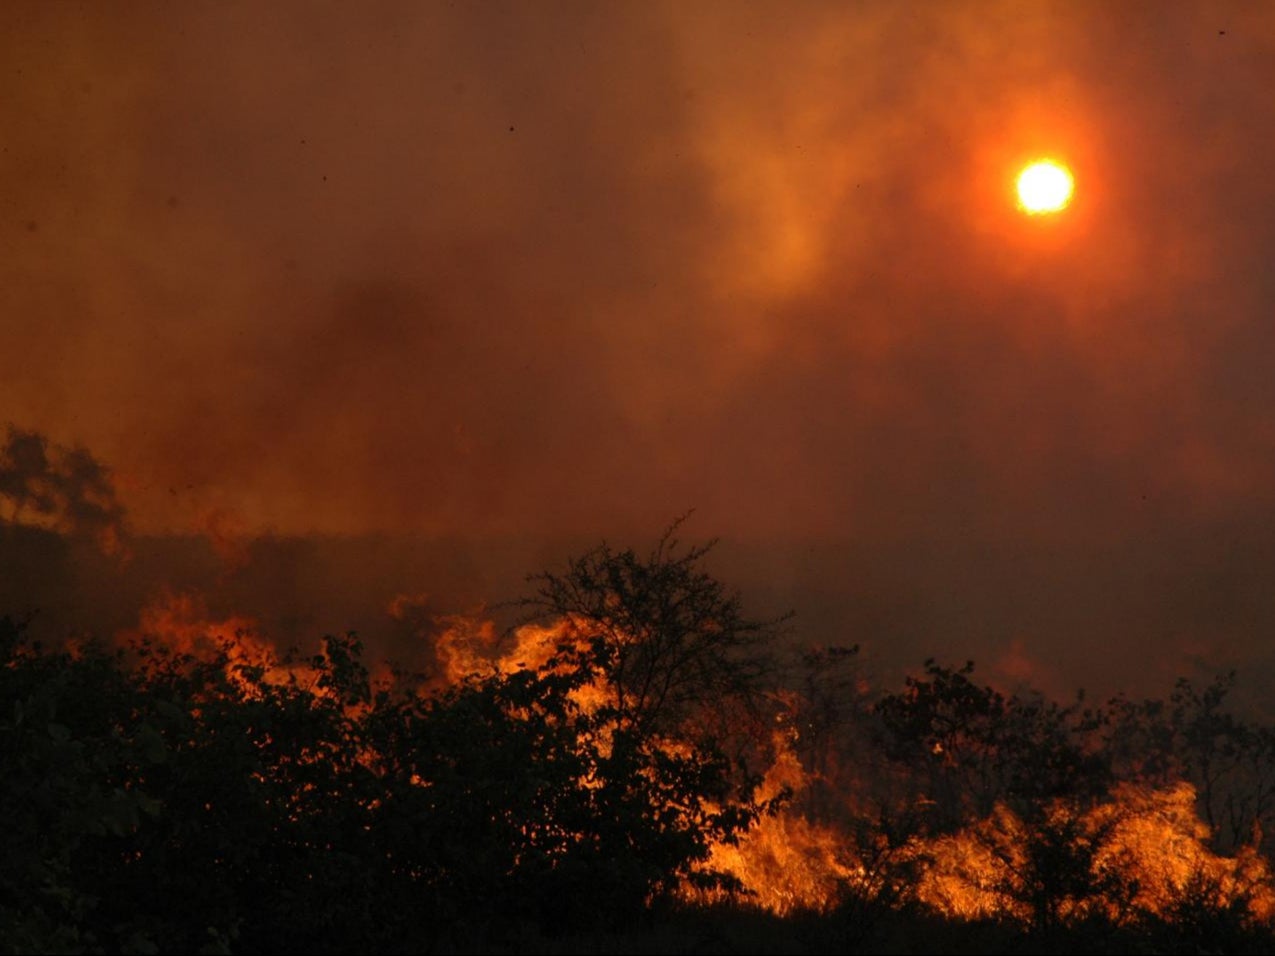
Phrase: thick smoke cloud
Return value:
(568, 269)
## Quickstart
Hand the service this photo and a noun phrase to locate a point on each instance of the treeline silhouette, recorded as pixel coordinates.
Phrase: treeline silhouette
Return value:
(63, 488)
(578, 783)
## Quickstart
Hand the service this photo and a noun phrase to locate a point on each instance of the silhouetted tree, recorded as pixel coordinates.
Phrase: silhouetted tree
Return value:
(1193, 736)
(63, 488)
(970, 748)
(828, 715)
(592, 785)
(672, 642)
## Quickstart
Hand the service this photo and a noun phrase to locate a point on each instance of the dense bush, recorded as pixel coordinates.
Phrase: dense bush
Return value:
(157, 801)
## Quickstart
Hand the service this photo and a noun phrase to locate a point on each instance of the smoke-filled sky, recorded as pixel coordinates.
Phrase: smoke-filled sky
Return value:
(572, 268)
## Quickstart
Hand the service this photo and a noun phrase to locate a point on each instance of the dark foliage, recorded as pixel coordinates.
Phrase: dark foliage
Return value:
(159, 802)
(62, 488)
(156, 801)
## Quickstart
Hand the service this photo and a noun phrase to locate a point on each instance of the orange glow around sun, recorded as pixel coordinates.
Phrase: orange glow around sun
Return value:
(1044, 186)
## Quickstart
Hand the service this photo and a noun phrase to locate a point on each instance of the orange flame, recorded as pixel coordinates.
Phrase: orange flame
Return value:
(1149, 842)
(1149, 858)
(1144, 851)
(469, 648)
(784, 862)
(183, 624)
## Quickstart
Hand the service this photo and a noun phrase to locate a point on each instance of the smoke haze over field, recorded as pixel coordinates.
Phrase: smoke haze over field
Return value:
(543, 274)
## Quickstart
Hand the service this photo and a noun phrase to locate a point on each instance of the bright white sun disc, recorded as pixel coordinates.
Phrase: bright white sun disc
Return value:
(1044, 186)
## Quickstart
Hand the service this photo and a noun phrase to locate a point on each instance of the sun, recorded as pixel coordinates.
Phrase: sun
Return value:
(1044, 186)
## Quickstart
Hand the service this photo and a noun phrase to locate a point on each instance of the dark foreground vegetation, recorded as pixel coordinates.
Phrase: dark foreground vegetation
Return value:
(565, 791)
